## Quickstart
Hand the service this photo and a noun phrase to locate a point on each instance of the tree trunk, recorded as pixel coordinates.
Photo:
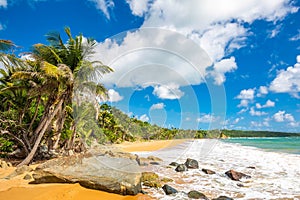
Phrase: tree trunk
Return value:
(60, 125)
(47, 120)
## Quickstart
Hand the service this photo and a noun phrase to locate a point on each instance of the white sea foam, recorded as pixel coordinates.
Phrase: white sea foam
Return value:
(276, 175)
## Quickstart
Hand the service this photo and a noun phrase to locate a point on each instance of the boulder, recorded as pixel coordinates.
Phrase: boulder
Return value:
(95, 171)
(196, 195)
(236, 176)
(175, 164)
(223, 198)
(169, 190)
(181, 168)
(191, 163)
(208, 171)
(151, 179)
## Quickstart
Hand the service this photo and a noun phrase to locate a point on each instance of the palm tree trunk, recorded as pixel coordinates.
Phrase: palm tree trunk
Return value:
(60, 125)
(47, 120)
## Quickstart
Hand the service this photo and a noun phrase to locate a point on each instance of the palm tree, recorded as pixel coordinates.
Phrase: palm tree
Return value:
(67, 67)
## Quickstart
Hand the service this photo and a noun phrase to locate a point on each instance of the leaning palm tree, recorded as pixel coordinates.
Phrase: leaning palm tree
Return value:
(69, 65)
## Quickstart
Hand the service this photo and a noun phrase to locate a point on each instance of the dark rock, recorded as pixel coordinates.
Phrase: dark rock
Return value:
(169, 190)
(191, 163)
(154, 163)
(240, 185)
(181, 168)
(236, 176)
(208, 171)
(27, 177)
(101, 172)
(196, 195)
(175, 164)
(223, 198)
(251, 167)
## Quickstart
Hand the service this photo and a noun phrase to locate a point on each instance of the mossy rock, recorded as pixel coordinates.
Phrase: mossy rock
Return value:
(166, 180)
(151, 179)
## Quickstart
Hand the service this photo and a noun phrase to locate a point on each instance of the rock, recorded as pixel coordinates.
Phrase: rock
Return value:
(208, 171)
(223, 198)
(150, 179)
(236, 176)
(165, 180)
(154, 163)
(181, 168)
(251, 167)
(142, 161)
(19, 171)
(27, 177)
(169, 190)
(240, 185)
(153, 158)
(175, 164)
(9, 164)
(196, 195)
(191, 163)
(94, 171)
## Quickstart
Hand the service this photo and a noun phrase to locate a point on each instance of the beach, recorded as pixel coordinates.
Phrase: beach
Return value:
(274, 175)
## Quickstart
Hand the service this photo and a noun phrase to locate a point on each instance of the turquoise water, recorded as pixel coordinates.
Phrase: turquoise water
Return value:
(277, 144)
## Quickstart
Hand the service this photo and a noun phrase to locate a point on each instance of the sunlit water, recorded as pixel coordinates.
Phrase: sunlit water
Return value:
(276, 175)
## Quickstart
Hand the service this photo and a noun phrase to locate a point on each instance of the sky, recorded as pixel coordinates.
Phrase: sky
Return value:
(196, 64)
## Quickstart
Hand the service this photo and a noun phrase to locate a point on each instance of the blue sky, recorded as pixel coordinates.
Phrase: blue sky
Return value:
(187, 64)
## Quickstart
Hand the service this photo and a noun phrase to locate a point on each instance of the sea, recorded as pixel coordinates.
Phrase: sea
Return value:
(272, 163)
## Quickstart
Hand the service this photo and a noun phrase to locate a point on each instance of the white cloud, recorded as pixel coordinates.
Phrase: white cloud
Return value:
(263, 90)
(2, 27)
(243, 103)
(144, 118)
(157, 106)
(243, 110)
(3, 3)
(256, 113)
(114, 96)
(246, 94)
(138, 7)
(282, 116)
(222, 67)
(275, 31)
(206, 118)
(170, 91)
(288, 81)
(104, 6)
(237, 120)
(268, 104)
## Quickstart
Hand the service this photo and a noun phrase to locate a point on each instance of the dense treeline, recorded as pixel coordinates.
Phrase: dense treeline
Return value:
(239, 133)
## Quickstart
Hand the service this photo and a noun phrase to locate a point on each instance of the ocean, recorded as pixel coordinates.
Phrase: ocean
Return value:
(275, 144)
(274, 169)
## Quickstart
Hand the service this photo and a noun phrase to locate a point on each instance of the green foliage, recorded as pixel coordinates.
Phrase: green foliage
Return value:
(240, 133)
(6, 145)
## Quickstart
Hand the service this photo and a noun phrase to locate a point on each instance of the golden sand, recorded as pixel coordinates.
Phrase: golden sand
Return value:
(18, 189)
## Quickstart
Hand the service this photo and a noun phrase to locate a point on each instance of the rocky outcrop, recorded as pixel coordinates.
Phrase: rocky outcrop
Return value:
(169, 190)
(208, 171)
(20, 170)
(111, 172)
(236, 176)
(191, 163)
(196, 195)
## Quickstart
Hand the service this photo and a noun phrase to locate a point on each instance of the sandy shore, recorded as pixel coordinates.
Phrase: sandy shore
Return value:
(18, 189)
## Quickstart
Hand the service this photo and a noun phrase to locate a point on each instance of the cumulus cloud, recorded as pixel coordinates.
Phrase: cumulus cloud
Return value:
(246, 96)
(282, 116)
(296, 37)
(268, 104)
(288, 81)
(170, 91)
(138, 7)
(104, 6)
(157, 106)
(256, 113)
(206, 118)
(144, 118)
(158, 58)
(263, 90)
(114, 96)
(3, 3)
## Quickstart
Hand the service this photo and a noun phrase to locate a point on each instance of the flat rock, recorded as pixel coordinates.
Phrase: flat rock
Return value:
(105, 172)
(236, 176)
(196, 195)
(208, 171)
(223, 198)
(175, 164)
